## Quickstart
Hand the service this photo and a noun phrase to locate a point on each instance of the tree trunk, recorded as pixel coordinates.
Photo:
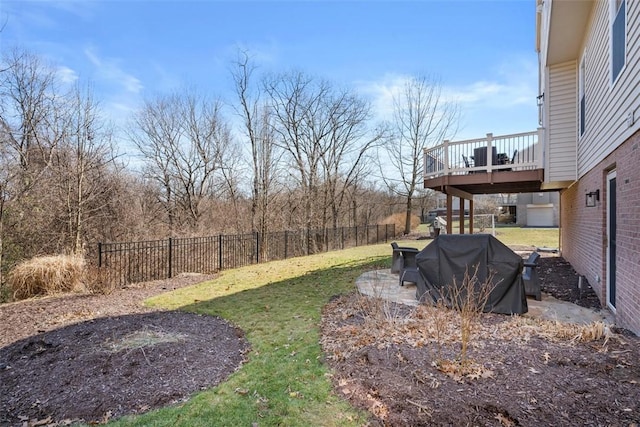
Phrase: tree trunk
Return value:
(407, 221)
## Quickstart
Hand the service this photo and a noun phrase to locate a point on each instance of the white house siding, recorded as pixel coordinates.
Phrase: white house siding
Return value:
(608, 104)
(562, 112)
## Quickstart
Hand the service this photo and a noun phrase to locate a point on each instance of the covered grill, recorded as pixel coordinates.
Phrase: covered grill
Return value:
(446, 260)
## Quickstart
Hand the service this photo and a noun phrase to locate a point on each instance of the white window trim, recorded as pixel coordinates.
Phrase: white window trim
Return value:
(612, 16)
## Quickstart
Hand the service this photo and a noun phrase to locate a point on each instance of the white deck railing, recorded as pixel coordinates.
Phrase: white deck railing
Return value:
(520, 151)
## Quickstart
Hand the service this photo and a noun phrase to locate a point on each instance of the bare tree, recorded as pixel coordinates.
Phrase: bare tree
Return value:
(31, 127)
(83, 164)
(300, 124)
(325, 133)
(421, 118)
(348, 144)
(183, 139)
(31, 119)
(265, 155)
(156, 132)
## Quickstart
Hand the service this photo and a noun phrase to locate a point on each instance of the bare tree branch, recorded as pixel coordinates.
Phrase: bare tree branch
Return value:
(422, 118)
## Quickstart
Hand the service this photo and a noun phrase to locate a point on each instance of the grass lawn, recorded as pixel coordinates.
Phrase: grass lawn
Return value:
(515, 235)
(278, 305)
(538, 237)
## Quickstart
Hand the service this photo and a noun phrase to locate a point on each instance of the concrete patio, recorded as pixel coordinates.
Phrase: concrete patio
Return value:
(384, 284)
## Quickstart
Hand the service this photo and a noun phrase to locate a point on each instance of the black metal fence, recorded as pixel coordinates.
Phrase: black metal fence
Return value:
(131, 262)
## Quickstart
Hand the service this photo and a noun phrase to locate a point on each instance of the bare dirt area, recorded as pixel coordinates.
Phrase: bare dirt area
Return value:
(404, 364)
(90, 358)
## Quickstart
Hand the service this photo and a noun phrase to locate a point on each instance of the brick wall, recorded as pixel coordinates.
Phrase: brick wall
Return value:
(583, 230)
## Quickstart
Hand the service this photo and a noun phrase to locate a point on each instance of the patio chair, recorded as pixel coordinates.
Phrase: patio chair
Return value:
(513, 158)
(530, 277)
(397, 260)
(410, 271)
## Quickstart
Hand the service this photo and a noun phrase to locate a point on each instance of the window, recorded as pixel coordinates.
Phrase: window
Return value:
(581, 96)
(618, 37)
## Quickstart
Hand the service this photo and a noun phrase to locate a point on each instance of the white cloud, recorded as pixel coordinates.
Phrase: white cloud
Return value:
(81, 9)
(67, 75)
(491, 94)
(485, 103)
(110, 71)
(381, 93)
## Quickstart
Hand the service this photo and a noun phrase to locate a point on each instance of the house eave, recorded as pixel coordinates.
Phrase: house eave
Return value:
(567, 23)
(556, 185)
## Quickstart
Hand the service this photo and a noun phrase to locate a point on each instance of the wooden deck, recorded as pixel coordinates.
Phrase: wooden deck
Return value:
(514, 166)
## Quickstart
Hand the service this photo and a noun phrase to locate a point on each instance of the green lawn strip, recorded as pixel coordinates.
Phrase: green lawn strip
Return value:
(538, 237)
(278, 305)
(516, 235)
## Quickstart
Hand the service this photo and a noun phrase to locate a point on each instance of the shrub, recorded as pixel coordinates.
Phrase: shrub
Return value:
(398, 219)
(46, 276)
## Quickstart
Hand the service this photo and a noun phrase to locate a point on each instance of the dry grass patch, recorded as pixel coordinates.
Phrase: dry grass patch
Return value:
(438, 328)
(398, 220)
(558, 331)
(46, 275)
(142, 338)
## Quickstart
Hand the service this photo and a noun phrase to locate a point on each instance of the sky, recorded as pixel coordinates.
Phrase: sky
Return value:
(481, 51)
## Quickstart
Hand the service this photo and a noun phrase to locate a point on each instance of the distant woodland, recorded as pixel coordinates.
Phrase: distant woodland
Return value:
(290, 151)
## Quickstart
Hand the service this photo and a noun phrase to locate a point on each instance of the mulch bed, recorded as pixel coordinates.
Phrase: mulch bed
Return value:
(89, 358)
(515, 374)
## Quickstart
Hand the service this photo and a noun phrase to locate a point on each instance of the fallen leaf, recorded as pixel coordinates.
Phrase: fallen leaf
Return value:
(42, 422)
(504, 420)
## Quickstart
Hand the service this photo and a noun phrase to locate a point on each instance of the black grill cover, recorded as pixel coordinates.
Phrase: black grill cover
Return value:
(450, 255)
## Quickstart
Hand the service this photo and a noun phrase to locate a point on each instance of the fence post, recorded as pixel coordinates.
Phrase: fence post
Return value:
(356, 236)
(220, 251)
(170, 256)
(308, 241)
(377, 233)
(99, 254)
(286, 243)
(257, 247)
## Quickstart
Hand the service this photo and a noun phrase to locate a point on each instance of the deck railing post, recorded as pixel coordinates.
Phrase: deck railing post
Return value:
(446, 156)
(489, 152)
